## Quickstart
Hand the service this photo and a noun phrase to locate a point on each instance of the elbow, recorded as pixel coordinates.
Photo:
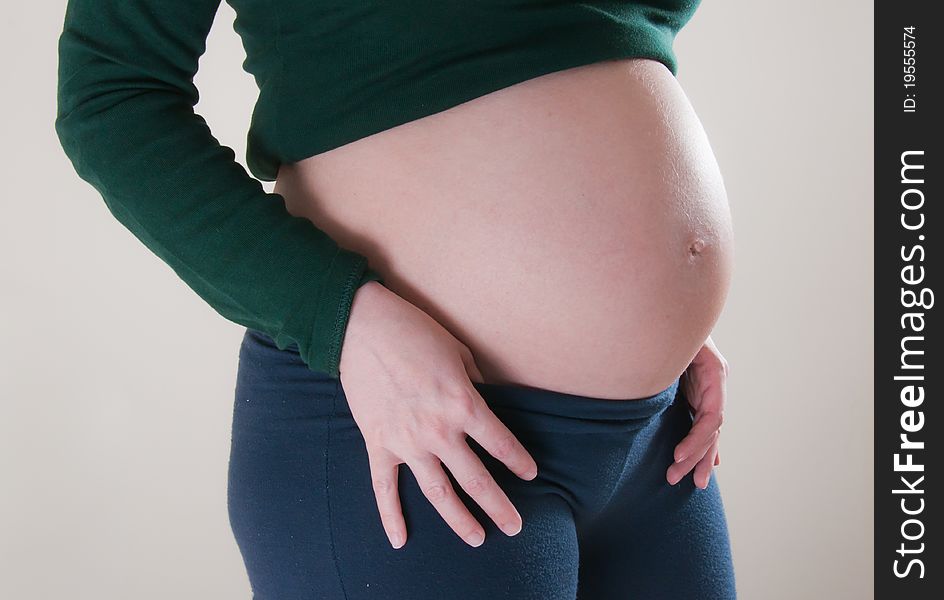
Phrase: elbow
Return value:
(65, 131)
(69, 127)
(66, 127)
(84, 136)
(71, 108)
(84, 125)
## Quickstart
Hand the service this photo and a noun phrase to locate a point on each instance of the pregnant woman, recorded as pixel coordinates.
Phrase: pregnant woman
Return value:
(477, 303)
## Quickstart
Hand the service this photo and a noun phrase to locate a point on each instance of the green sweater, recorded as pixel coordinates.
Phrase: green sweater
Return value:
(328, 73)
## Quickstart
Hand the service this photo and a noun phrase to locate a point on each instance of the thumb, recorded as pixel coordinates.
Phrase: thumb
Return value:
(470, 367)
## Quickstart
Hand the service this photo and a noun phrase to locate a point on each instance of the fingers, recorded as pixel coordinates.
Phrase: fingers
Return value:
(704, 429)
(470, 367)
(679, 469)
(439, 491)
(704, 467)
(479, 484)
(494, 436)
(383, 471)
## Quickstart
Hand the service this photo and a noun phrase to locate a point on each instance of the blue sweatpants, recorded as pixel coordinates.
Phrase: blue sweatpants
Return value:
(600, 522)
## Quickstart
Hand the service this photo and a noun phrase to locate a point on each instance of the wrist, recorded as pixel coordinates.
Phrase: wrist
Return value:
(368, 289)
(362, 306)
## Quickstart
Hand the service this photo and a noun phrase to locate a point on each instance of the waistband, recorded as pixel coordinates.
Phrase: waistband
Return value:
(549, 410)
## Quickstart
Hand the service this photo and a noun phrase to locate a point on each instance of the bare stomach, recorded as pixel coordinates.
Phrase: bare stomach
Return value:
(572, 230)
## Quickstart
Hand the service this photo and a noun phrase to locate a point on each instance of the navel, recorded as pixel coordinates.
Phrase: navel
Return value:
(696, 247)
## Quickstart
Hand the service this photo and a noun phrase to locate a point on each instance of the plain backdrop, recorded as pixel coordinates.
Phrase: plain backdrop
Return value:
(117, 381)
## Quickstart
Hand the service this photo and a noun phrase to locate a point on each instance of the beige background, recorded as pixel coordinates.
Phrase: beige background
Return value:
(117, 380)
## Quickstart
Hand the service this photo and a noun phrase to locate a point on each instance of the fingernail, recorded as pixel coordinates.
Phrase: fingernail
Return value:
(475, 539)
(680, 458)
(397, 540)
(511, 528)
(530, 475)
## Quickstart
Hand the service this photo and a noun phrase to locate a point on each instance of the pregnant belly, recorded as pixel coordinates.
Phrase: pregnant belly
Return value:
(572, 229)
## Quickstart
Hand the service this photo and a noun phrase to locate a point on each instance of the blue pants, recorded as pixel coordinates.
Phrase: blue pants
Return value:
(600, 522)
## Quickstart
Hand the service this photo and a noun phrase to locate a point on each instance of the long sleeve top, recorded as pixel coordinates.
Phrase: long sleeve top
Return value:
(328, 73)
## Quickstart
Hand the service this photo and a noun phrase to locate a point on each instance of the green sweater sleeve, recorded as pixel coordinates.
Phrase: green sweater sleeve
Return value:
(125, 119)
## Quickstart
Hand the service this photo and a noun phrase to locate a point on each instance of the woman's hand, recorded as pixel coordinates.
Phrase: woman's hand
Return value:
(704, 386)
(408, 382)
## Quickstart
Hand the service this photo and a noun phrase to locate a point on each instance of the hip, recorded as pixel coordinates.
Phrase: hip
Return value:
(587, 447)
(302, 510)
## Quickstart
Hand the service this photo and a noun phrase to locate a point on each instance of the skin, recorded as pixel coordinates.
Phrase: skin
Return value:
(569, 232)
(587, 200)
(704, 385)
(409, 386)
